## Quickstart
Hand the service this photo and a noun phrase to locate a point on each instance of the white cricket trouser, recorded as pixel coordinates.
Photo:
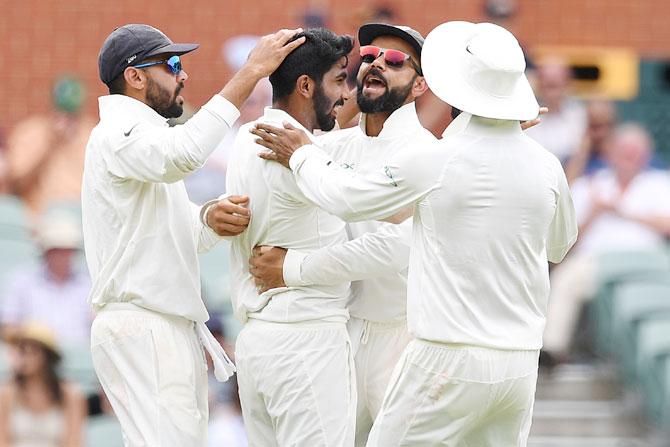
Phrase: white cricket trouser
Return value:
(457, 396)
(573, 283)
(297, 384)
(153, 369)
(378, 346)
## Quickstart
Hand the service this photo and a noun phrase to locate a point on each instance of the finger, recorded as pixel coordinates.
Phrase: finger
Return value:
(265, 248)
(269, 128)
(288, 125)
(263, 134)
(286, 49)
(544, 110)
(284, 35)
(238, 199)
(229, 229)
(256, 251)
(231, 219)
(231, 208)
(267, 145)
(271, 156)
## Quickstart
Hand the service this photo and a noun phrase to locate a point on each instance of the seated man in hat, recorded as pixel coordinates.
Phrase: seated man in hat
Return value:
(54, 292)
(491, 208)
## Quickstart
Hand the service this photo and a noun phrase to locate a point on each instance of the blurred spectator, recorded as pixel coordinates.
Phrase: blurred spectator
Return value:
(624, 207)
(563, 127)
(219, 392)
(54, 293)
(4, 175)
(226, 426)
(590, 154)
(46, 153)
(37, 408)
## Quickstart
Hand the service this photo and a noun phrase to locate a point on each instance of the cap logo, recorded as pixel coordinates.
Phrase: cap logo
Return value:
(131, 58)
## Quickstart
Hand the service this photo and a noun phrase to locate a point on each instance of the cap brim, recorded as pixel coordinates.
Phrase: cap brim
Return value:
(370, 31)
(174, 48)
(442, 61)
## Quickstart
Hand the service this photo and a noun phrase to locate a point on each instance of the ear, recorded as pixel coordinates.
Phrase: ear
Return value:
(135, 78)
(419, 87)
(305, 86)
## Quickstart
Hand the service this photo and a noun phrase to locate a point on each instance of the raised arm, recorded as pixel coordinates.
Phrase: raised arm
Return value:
(149, 153)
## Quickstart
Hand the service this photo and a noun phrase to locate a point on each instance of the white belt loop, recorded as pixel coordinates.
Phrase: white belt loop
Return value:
(224, 368)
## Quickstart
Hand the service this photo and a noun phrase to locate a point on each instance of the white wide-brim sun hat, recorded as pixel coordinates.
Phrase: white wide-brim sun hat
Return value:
(479, 68)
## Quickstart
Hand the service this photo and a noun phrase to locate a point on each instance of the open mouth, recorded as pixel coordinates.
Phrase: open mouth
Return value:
(373, 84)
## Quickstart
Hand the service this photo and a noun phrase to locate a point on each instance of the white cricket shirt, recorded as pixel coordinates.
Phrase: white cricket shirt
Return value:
(492, 206)
(281, 216)
(377, 255)
(141, 233)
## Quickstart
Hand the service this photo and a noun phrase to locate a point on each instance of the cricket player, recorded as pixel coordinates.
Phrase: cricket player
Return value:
(377, 255)
(491, 208)
(294, 357)
(142, 234)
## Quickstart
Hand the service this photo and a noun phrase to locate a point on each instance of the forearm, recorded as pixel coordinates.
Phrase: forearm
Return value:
(238, 89)
(375, 195)
(374, 254)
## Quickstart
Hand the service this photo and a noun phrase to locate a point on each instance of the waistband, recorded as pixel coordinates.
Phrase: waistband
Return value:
(298, 325)
(224, 368)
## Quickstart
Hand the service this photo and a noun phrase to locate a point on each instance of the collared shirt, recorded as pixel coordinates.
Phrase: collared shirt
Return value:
(281, 216)
(647, 195)
(33, 295)
(377, 255)
(492, 206)
(141, 233)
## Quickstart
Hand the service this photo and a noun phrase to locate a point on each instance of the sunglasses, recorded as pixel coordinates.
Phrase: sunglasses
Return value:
(173, 63)
(393, 58)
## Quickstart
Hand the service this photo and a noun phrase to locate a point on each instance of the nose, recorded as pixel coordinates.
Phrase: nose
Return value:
(182, 76)
(379, 62)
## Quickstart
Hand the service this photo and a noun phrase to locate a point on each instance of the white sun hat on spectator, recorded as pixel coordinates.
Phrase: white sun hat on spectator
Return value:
(479, 68)
(59, 229)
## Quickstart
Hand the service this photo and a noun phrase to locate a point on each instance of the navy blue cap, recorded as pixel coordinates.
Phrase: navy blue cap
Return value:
(130, 44)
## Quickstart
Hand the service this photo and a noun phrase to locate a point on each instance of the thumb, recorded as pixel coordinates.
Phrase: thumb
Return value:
(288, 125)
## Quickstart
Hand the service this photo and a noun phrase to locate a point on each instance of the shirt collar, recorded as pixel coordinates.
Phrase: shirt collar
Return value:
(398, 123)
(121, 106)
(457, 125)
(278, 116)
(480, 126)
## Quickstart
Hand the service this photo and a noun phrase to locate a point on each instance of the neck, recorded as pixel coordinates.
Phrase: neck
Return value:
(299, 110)
(374, 123)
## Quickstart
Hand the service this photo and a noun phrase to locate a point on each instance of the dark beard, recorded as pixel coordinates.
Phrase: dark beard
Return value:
(162, 101)
(390, 101)
(322, 108)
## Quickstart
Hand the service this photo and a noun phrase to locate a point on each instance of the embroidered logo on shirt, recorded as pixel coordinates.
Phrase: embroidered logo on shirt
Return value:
(389, 174)
(127, 134)
(348, 166)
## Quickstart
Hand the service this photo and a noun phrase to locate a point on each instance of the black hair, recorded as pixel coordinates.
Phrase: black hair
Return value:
(321, 50)
(117, 86)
